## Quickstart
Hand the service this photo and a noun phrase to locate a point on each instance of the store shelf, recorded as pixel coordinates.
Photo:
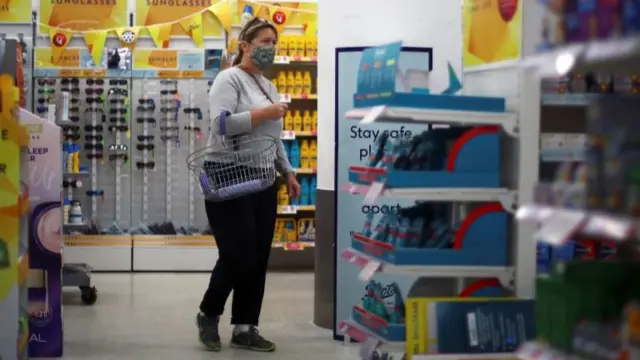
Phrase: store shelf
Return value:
(502, 195)
(508, 121)
(287, 98)
(294, 209)
(568, 99)
(504, 273)
(302, 60)
(558, 224)
(292, 135)
(607, 56)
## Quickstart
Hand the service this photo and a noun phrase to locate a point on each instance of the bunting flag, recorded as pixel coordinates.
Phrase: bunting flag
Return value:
(222, 11)
(193, 26)
(128, 36)
(161, 34)
(279, 16)
(95, 43)
(59, 39)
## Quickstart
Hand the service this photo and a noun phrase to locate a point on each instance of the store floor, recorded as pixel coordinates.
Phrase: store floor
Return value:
(151, 316)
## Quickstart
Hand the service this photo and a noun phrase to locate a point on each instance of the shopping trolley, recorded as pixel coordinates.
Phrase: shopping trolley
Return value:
(239, 166)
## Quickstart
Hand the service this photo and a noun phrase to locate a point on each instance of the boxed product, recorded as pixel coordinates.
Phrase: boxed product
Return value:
(382, 311)
(45, 239)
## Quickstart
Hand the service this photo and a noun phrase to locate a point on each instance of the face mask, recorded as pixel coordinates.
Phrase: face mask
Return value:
(263, 56)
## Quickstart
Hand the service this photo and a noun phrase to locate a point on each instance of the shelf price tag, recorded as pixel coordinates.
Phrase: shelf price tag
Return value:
(373, 114)
(294, 246)
(282, 60)
(558, 227)
(285, 98)
(375, 190)
(288, 209)
(370, 269)
(288, 135)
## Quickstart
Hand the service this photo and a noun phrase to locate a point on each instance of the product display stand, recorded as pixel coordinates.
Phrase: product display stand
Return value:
(14, 244)
(480, 256)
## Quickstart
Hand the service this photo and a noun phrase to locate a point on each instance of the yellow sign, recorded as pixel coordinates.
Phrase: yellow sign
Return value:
(69, 58)
(82, 15)
(153, 12)
(492, 31)
(150, 59)
(15, 11)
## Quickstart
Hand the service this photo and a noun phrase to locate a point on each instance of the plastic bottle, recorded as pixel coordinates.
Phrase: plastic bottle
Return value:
(70, 151)
(282, 82)
(295, 154)
(297, 88)
(313, 154)
(76, 159)
(283, 198)
(314, 121)
(65, 211)
(65, 155)
(288, 120)
(291, 82)
(283, 46)
(304, 191)
(292, 46)
(300, 45)
(247, 15)
(274, 81)
(306, 121)
(297, 121)
(306, 83)
(312, 190)
(309, 46)
(304, 154)
(75, 213)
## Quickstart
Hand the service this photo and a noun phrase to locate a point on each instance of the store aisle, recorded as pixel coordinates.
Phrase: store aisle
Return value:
(151, 316)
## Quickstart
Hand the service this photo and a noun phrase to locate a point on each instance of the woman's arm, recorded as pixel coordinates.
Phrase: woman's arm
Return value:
(282, 161)
(223, 97)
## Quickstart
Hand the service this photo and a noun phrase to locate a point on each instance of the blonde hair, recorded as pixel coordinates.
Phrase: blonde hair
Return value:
(249, 32)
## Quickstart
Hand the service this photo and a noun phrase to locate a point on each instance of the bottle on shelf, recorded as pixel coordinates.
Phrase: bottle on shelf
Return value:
(295, 154)
(314, 120)
(310, 46)
(283, 197)
(247, 15)
(282, 82)
(66, 207)
(297, 87)
(292, 45)
(306, 83)
(300, 44)
(312, 190)
(283, 46)
(297, 121)
(306, 121)
(76, 159)
(288, 120)
(313, 154)
(274, 81)
(291, 82)
(75, 213)
(304, 154)
(304, 191)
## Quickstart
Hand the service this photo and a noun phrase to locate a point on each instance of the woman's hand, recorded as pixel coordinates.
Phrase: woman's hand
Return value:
(293, 187)
(275, 111)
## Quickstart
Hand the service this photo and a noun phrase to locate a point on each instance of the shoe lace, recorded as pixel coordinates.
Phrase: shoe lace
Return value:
(255, 334)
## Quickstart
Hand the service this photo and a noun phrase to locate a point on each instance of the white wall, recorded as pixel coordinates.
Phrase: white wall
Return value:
(341, 23)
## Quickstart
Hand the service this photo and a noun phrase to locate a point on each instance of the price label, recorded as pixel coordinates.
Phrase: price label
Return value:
(295, 246)
(288, 135)
(557, 228)
(370, 269)
(285, 98)
(373, 114)
(297, 58)
(282, 60)
(304, 96)
(288, 209)
(375, 190)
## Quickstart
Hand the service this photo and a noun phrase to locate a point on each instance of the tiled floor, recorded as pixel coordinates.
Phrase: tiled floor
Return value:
(151, 316)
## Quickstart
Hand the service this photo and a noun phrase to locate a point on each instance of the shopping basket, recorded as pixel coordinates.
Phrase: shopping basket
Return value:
(239, 166)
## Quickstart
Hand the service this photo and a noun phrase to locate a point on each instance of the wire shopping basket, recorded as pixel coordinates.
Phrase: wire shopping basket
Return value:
(237, 167)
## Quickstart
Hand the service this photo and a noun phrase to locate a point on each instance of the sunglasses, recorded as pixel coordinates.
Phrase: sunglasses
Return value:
(142, 147)
(170, 137)
(192, 128)
(74, 137)
(146, 137)
(95, 193)
(191, 110)
(169, 128)
(169, 82)
(145, 165)
(99, 147)
(97, 128)
(74, 109)
(166, 110)
(96, 100)
(117, 101)
(118, 119)
(95, 156)
(74, 118)
(46, 90)
(44, 100)
(91, 91)
(113, 157)
(118, 148)
(72, 90)
(74, 101)
(118, 91)
(93, 137)
(118, 128)
(41, 109)
(118, 82)
(70, 128)
(144, 101)
(168, 92)
(43, 82)
(118, 111)
(147, 108)
(98, 110)
(91, 82)
(142, 120)
(70, 81)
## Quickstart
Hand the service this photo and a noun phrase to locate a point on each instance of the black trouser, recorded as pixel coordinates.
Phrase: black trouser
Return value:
(243, 229)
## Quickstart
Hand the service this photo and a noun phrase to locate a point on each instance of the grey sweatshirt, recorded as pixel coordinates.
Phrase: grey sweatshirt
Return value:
(234, 90)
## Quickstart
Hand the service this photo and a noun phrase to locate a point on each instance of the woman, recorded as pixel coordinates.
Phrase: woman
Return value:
(243, 227)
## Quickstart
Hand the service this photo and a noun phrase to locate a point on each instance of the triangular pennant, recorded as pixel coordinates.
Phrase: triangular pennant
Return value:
(222, 11)
(279, 16)
(161, 34)
(311, 28)
(59, 39)
(454, 83)
(95, 42)
(128, 36)
(193, 26)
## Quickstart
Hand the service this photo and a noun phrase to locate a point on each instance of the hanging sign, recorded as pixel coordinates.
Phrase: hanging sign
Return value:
(154, 12)
(168, 63)
(15, 12)
(128, 36)
(81, 15)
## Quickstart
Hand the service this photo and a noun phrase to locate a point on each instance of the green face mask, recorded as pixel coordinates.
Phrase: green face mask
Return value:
(263, 56)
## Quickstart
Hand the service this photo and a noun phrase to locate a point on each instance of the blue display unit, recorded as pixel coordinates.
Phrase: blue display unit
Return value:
(377, 325)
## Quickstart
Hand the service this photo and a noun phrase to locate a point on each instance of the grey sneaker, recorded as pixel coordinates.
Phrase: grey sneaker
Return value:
(208, 332)
(251, 340)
